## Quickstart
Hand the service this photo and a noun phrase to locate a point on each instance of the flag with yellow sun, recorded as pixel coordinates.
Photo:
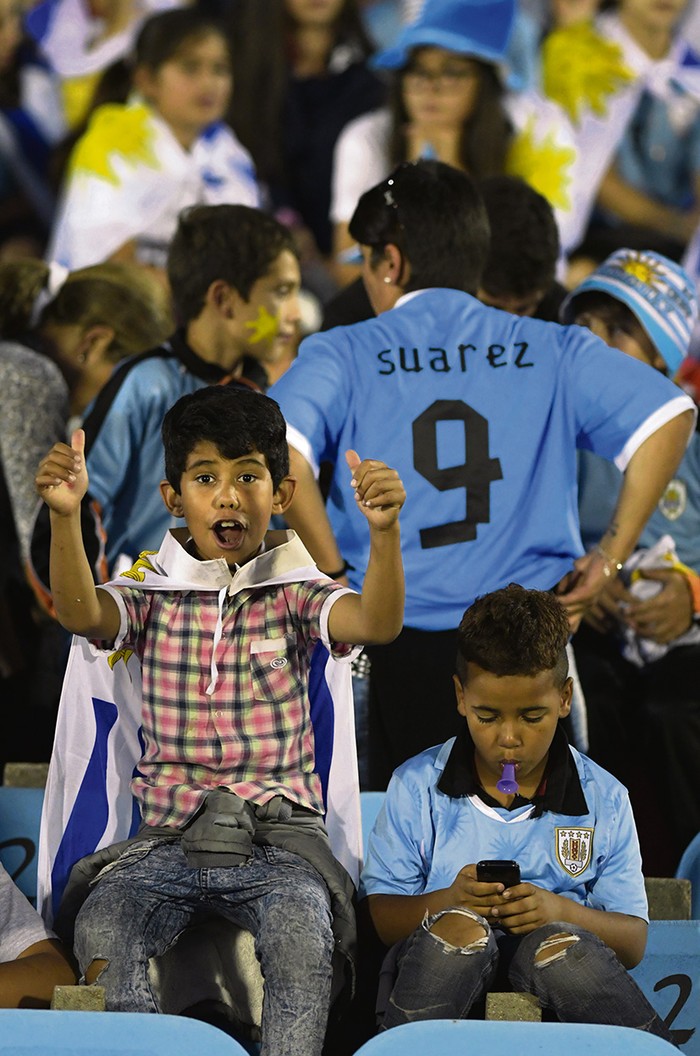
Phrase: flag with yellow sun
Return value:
(129, 178)
(544, 153)
(596, 73)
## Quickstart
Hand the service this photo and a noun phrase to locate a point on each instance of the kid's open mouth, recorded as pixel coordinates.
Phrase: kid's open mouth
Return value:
(229, 534)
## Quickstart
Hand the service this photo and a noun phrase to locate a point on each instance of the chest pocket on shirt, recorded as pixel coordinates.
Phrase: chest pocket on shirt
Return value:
(274, 669)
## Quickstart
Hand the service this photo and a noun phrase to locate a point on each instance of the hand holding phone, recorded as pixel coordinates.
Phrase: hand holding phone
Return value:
(498, 871)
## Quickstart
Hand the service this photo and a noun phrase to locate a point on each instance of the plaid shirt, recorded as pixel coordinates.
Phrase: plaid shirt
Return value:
(252, 734)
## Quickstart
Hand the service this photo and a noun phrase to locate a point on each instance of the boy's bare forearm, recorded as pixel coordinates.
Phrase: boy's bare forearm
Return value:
(307, 516)
(648, 473)
(80, 607)
(383, 590)
(396, 916)
(624, 934)
(29, 980)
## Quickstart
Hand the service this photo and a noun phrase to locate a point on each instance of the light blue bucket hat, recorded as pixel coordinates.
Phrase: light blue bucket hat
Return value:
(659, 292)
(481, 28)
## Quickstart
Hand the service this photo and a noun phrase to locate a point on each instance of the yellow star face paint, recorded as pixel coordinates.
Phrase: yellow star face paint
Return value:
(264, 328)
(269, 317)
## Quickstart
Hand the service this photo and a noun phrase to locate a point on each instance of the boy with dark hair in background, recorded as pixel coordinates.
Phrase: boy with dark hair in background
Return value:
(519, 274)
(232, 771)
(234, 276)
(576, 918)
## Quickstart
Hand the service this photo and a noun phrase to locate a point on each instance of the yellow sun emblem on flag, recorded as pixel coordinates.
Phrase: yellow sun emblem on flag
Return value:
(543, 163)
(115, 131)
(140, 566)
(264, 328)
(641, 269)
(581, 69)
(120, 654)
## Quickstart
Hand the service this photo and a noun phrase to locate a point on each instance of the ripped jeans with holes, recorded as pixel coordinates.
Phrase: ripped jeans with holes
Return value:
(142, 902)
(572, 972)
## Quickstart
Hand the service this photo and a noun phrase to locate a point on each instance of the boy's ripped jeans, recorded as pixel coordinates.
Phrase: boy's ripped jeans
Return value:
(142, 902)
(570, 970)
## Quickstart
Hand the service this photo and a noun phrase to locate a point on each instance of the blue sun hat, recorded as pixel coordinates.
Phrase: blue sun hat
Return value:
(481, 28)
(659, 292)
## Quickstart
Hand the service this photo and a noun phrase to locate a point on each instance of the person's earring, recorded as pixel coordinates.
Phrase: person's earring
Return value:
(387, 279)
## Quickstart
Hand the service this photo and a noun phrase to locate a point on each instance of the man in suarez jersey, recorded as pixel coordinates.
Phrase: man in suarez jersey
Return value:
(481, 412)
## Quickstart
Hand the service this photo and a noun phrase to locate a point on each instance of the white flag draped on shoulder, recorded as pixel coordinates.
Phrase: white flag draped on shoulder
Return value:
(129, 179)
(88, 803)
(597, 74)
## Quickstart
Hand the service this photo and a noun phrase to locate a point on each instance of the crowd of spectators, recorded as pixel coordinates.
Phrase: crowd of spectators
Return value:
(179, 189)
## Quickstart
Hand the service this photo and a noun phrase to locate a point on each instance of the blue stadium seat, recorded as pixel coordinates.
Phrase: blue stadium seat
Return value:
(689, 869)
(449, 1037)
(20, 816)
(669, 975)
(35, 1033)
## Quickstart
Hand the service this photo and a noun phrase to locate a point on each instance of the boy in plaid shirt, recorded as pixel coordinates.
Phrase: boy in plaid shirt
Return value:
(229, 774)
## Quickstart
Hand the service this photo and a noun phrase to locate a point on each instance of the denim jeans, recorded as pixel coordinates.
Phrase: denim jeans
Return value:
(585, 983)
(143, 901)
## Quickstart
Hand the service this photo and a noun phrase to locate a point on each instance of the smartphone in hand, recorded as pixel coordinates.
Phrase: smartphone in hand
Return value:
(497, 871)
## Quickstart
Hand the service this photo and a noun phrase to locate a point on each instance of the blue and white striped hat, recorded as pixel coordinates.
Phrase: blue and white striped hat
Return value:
(658, 291)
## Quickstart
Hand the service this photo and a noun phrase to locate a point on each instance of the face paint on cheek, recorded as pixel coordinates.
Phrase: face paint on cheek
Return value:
(264, 328)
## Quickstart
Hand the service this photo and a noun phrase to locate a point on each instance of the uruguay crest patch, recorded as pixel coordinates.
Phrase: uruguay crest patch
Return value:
(574, 847)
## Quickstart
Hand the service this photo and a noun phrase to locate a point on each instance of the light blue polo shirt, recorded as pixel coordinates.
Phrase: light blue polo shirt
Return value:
(423, 837)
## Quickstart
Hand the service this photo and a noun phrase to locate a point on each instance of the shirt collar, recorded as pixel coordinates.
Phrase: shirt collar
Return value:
(201, 368)
(560, 790)
(282, 558)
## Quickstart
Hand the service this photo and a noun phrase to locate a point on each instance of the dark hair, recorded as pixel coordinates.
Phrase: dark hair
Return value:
(514, 631)
(257, 109)
(163, 35)
(486, 133)
(524, 238)
(21, 282)
(612, 311)
(235, 419)
(434, 214)
(160, 38)
(230, 242)
(122, 296)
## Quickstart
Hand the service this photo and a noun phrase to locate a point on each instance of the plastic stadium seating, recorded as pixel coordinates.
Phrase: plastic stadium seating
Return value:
(689, 869)
(20, 815)
(458, 1037)
(32, 1032)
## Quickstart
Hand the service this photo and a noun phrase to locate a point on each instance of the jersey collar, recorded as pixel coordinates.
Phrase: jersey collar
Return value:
(560, 789)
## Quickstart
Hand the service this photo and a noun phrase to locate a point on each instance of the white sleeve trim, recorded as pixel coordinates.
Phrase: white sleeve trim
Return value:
(123, 622)
(299, 442)
(654, 422)
(323, 625)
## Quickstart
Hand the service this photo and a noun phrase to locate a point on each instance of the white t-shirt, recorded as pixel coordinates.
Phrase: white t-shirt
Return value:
(20, 924)
(543, 152)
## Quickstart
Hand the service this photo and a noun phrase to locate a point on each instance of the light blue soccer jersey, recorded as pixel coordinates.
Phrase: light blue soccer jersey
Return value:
(125, 463)
(481, 413)
(423, 837)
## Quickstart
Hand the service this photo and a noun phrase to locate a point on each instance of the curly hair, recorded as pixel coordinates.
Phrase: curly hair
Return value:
(514, 631)
(237, 421)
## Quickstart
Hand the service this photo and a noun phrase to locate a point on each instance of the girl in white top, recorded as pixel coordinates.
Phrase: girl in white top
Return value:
(450, 104)
(140, 163)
